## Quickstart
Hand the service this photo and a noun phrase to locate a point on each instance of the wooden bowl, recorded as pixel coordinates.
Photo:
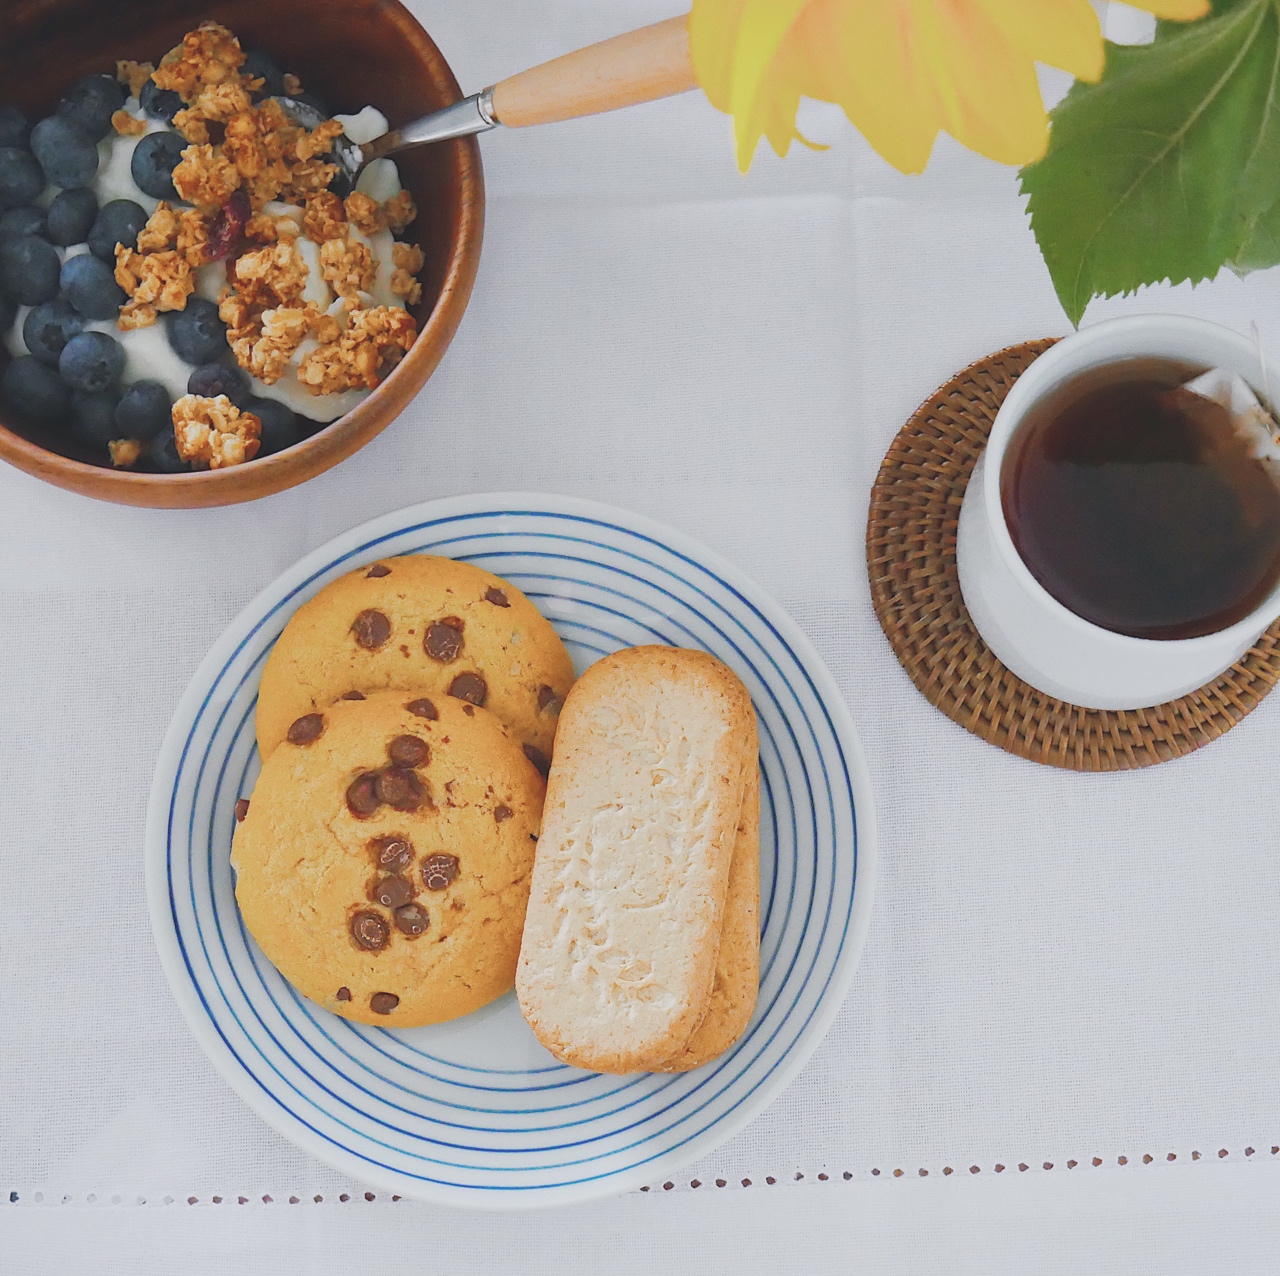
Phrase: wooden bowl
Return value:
(351, 53)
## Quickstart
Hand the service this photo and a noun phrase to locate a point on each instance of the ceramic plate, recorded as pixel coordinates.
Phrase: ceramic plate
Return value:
(476, 1112)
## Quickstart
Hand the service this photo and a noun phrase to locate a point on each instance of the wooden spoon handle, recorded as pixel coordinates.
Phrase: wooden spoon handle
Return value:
(640, 66)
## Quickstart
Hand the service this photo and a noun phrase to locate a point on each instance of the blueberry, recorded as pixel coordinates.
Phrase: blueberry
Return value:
(90, 285)
(68, 155)
(21, 178)
(29, 270)
(279, 424)
(70, 217)
(23, 221)
(93, 417)
(91, 361)
(212, 379)
(118, 223)
(15, 128)
(34, 390)
(91, 102)
(196, 333)
(154, 159)
(48, 327)
(144, 411)
(163, 453)
(8, 313)
(262, 66)
(160, 104)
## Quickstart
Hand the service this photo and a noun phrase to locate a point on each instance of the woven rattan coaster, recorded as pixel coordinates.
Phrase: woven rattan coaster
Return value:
(911, 559)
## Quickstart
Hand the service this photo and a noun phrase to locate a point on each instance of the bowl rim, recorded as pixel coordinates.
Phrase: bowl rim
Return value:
(338, 439)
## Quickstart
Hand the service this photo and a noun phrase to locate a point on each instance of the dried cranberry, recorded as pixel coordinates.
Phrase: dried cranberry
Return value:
(228, 225)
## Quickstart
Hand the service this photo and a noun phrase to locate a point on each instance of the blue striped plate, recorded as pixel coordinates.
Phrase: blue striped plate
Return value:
(476, 1112)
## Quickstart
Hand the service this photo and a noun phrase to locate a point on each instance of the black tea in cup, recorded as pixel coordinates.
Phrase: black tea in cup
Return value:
(1142, 506)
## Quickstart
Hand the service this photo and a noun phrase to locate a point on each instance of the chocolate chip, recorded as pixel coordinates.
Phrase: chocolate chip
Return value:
(242, 809)
(538, 758)
(400, 788)
(438, 871)
(548, 701)
(391, 853)
(362, 795)
(352, 695)
(377, 570)
(469, 687)
(500, 813)
(370, 930)
(371, 629)
(496, 597)
(423, 709)
(343, 993)
(412, 920)
(469, 710)
(408, 750)
(443, 640)
(383, 1003)
(392, 892)
(306, 729)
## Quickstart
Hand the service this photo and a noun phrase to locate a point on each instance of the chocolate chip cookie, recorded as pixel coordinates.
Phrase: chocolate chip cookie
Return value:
(383, 862)
(440, 628)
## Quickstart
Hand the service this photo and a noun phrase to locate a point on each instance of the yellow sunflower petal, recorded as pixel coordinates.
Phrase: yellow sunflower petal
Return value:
(1061, 33)
(713, 42)
(864, 58)
(903, 70)
(987, 92)
(1173, 10)
(734, 45)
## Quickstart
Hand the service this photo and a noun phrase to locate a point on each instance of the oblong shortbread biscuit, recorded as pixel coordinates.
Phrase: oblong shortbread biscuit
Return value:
(426, 624)
(737, 980)
(618, 958)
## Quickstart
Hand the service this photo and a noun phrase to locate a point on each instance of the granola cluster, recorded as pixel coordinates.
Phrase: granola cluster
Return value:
(134, 74)
(372, 343)
(213, 433)
(355, 344)
(208, 57)
(128, 125)
(407, 260)
(125, 453)
(244, 160)
(159, 274)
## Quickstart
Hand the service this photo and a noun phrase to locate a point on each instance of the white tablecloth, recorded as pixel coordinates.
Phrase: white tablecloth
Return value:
(1060, 967)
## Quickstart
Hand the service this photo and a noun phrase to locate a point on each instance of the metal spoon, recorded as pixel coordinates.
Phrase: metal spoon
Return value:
(639, 66)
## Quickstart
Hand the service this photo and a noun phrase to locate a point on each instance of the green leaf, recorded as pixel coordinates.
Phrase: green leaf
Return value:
(1169, 167)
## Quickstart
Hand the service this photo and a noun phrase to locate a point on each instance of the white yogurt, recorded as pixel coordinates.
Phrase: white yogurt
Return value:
(380, 180)
(380, 245)
(13, 338)
(316, 290)
(148, 355)
(364, 126)
(115, 158)
(211, 280)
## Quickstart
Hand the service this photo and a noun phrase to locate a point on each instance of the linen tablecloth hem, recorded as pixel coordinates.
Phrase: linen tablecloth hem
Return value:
(687, 1181)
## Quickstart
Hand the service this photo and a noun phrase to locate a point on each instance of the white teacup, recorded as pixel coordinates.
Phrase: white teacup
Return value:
(1038, 638)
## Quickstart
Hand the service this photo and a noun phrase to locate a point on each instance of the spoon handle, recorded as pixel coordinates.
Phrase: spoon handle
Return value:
(639, 66)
